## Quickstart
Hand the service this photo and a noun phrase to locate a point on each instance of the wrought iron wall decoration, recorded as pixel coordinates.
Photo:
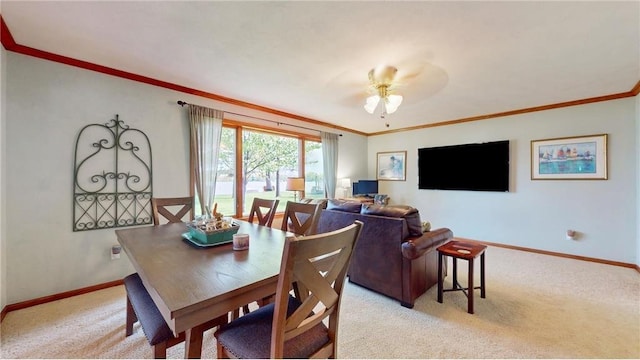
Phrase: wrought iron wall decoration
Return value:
(112, 177)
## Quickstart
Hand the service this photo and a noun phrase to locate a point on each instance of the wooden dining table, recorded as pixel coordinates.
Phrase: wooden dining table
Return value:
(191, 285)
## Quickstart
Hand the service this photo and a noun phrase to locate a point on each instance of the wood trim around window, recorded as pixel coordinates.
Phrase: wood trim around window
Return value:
(239, 127)
(268, 129)
(238, 171)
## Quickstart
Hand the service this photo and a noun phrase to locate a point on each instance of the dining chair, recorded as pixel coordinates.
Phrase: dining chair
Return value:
(264, 210)
(300, 218)
(292, 326)
(140, 305)
(267, 206)
(171, 209)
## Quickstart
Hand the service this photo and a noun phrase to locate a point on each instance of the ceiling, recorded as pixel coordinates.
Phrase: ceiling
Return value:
(455, 60)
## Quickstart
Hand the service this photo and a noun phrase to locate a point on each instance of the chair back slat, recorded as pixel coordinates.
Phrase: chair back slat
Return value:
(322, 285)
(301, 218)
(264, 210)
(173, 210)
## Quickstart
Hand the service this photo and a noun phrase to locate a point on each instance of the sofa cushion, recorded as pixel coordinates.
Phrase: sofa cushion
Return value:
(414, 223)
(381, 199)
(416, 247)
(343, 205)
(377, 261)
(322, 202)
(409, 213)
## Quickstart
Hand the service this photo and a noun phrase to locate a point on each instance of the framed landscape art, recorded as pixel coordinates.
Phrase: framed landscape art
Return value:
(391, 166)
(570, 158)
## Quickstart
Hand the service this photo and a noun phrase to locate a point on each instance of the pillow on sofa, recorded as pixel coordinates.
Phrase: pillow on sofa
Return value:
(409, 213)
(381, 199)
(342, 205)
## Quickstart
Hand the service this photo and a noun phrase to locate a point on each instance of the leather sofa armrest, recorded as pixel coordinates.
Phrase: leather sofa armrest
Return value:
(415, 247)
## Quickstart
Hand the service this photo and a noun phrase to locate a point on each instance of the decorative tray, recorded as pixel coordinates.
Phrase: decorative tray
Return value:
(211, 237)
(187, 236)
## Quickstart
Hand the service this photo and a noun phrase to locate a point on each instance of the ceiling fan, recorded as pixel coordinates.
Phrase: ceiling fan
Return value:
(381, 86)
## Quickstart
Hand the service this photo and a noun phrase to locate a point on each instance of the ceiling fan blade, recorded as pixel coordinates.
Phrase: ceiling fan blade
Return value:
(430, 83)
(416, 81)
(354, 99)
(411, 72)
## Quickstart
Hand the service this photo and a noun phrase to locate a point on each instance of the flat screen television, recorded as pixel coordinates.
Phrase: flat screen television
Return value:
(477, 167)
(365, 187)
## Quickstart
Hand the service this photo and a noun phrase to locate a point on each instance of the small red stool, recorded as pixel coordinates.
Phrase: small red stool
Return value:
(465, 251)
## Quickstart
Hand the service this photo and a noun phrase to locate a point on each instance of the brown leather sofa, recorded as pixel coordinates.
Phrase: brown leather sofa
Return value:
(392, 256)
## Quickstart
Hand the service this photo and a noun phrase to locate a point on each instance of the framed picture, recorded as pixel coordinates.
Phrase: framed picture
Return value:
(569, 158)
(391, 166)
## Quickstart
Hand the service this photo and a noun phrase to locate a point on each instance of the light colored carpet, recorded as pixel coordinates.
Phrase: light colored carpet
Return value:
(537, 306)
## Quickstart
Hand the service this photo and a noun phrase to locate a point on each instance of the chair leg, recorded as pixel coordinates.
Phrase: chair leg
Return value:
(160, 350)
(235, 314)
(266, 300)
(220, 352)
(131, 318)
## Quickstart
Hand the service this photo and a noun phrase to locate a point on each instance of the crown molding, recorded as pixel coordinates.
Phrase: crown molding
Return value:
(10, 44)
(636, 89)
(519, 111)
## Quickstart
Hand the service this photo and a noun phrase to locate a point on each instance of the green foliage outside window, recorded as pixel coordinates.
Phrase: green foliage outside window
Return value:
(267, 159)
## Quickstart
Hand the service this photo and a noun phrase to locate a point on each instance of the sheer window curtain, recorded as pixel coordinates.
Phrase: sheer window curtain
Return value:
(206, 130)
(330, 162)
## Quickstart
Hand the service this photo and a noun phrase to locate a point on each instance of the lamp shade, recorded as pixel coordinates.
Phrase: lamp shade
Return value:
(392, 102)
(372, 103)
(345, 183)
(295, 184)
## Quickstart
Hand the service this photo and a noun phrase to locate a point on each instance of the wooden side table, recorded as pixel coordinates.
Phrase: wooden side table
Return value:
(465, 251)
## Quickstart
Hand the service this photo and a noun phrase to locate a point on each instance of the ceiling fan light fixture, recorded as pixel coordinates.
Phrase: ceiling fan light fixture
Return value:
(372, 103)
(392, 102)
(381, 79)
(382, 74)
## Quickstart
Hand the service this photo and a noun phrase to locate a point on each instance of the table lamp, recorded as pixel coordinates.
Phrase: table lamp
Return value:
(295, 184)
(345, 184)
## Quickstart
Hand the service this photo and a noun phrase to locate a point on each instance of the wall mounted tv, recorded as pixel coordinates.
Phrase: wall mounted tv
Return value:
(478, 167)
(365, 187)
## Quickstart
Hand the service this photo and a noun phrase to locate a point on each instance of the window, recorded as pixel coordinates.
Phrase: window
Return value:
(225, 179)
(256, 163)
(313, 170)
(267, 161)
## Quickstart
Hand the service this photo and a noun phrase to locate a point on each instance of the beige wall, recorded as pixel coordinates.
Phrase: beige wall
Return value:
(535, 213)
(352, 162)
(47, 104)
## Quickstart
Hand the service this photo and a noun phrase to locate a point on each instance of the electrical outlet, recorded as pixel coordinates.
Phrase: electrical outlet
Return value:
(115, 252)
